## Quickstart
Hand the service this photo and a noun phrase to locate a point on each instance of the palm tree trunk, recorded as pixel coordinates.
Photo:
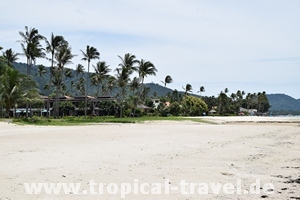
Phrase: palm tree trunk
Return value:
(30, 76)
(48, 107)
(27, 109)
(86, 90)
(55, 111)
(28, 65)
(142, 89)
(7, 109)
(50, 79)
(121, 103)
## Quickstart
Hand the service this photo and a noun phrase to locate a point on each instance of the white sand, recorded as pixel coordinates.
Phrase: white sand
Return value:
(153, 152)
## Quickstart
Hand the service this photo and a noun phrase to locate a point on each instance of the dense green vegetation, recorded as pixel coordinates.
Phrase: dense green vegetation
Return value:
(132, 96)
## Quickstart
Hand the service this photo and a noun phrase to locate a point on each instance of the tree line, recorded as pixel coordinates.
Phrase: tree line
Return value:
(127, 81)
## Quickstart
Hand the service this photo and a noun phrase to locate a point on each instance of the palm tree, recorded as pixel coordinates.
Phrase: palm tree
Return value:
(31, 46)
(62, 57)
(222, 100)
(122, 80)
(144, 93)
(80, 85)
(37, 52)
(226, 90)
(26, 52)
(30, 36)
(16, 88)
(41, 71)
(90, 54)
(134, 84)
(202, 89)
(111, 81)
(146, 68)
(263, 102)
(68, 73)
(102, 70)
(126, 68)
(188, 88)
(53, 46)
(32, 51)
(175, 96)
(79, 69)
(128, 62)
(10, 57)
(168, 80)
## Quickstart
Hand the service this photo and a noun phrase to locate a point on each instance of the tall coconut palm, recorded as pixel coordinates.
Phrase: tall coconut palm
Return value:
(202, 89)
(30, 35)
(31, 46)
(62, 57)
(134, 85)
(188, 88)
(101, 72)
(53, 46)
(122, 80)
(91, 53)
(32, 51)
(128, 61)
(146, 68)
(222, 100)
(36, 52)
(26, 52)
(10, 57)
(168, 80)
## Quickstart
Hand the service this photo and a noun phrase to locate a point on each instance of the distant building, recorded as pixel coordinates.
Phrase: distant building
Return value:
(249, 111)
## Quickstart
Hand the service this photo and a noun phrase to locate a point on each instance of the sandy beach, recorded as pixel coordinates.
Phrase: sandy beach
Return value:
(227, 150)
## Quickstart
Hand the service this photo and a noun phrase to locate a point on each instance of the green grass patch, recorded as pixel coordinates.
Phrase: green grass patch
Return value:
(70, 121)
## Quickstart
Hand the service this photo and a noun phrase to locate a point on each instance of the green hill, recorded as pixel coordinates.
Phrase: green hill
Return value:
(42, 81)
(283, 102)
(158, 89)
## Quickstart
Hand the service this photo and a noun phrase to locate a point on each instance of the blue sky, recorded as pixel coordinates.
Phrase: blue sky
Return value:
(250, 45)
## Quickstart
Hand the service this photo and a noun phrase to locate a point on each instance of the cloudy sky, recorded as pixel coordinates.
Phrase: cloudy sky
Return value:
(250, 45)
